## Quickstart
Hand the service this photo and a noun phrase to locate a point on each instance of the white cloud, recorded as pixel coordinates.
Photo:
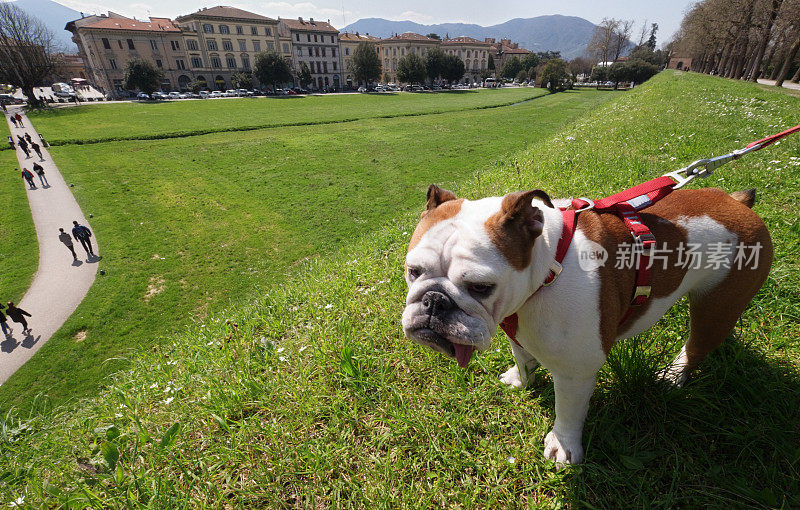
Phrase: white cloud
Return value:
(301, 9)
(417, 17)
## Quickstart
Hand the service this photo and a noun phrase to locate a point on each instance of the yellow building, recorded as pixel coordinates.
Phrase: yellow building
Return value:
(398, 46)
(316, 44)
(347, 46)
(474, 54)
(221, 41)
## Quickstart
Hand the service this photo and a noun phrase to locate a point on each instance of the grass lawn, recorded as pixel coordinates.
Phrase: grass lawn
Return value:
(19, 249)
(155, 120)
(311, 396)
(189, 226)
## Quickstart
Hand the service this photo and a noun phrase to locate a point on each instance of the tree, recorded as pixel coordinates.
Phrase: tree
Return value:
(366, 64)
(454, 68)
(490, 62)
(554, 75)
(609, 39)
(434, 64)
(511, 68)
(651, 41)
(580, 65)
(304, 77)
(530, 61)
(411, 69)
(242, 80)
(197, 85)
(272, 68)
(434, 36)
(522, 76)
(27, 51)
(141, 74)
(599, 74)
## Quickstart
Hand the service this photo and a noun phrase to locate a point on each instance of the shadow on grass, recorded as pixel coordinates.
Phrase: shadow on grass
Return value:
(730, 436)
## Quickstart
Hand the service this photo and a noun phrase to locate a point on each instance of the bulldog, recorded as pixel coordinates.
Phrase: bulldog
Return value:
(471, 263)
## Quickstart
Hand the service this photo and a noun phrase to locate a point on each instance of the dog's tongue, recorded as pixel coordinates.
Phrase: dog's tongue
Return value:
(463, 354)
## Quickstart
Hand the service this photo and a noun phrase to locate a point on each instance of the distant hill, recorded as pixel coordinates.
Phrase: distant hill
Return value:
(567, 34)
(54, 16)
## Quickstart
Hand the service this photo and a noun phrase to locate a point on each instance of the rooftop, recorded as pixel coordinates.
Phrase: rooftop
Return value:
(411, 36)
(348, 36)
(465, 40)
(308, 25)
(225, 12)
(114, 21)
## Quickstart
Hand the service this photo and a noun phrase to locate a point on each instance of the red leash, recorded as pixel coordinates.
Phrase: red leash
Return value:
(626, 204)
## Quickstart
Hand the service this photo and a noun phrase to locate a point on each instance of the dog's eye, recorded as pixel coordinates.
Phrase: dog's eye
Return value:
(413, 273)
(480, 289)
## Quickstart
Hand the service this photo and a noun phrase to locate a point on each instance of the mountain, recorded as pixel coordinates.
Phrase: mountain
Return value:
(55, 16)
(567, 34)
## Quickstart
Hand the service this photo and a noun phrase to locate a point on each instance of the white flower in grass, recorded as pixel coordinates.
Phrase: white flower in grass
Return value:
(17, 502)
(511, 460)
(280, 349)
(281, 358)
(154, 385)
(167, 401)
(303, 348)
(328, 306)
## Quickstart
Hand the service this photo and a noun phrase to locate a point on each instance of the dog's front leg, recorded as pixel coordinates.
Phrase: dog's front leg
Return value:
(563, 443)
(521, 373)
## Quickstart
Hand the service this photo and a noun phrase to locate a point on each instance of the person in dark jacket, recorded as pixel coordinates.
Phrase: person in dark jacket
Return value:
(13, 120)
(28, 176)
(3, 322)
(67, 240)
(19, 119)
(82, 234)
(18, 315)
(40, 172)
(22, 144)
(37, 150)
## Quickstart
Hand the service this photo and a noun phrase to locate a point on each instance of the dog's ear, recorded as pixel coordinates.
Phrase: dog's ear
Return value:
(515, 227)
(437, 196)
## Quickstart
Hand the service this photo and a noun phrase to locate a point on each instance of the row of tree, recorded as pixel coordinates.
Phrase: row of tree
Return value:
(742, 39)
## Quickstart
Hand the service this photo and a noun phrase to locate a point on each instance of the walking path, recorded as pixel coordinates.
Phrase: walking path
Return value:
(786, 84)
(59, 284)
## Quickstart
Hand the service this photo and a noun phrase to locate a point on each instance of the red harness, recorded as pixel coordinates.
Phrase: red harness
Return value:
(625, 204)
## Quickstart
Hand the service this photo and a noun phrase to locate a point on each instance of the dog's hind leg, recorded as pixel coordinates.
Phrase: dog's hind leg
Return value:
(520, 374)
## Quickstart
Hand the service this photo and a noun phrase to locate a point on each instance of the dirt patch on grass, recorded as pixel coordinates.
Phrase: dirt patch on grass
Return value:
(155, 287)
(80, 336)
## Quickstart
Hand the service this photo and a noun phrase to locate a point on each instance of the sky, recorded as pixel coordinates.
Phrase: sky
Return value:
(667, 13)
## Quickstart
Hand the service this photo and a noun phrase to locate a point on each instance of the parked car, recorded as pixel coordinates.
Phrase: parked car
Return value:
(159, 95)
(141, 96)
(204, 94)
(416, 88)
(174, 95)
(62, 90)
(216, 94)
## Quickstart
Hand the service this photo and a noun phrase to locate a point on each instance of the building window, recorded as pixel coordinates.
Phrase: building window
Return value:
(106, 44)
(285, 47)
(215, 62)
(256, 45)
(311, 67)
(231, 62)
(208, 28)
(154, 45)
(212, 44)
(310, 51)
(223, 29)
(325, 67)
(130, 44)
(298, 37)
(308, 37)
(239, 29)
(334, 67)
(254, 30)
(176, 45)
(268, 32)
(245, 62)
(242, 45)
(270, 45)
(323, 51)
(119, 42)
(317, 50)
(227, 45)
(113, 63)
(333, 52)
(332, 40)
(347, 52)
(180, 64)
(159, 64)
(197, 62)
(315, 37)
(191, 44)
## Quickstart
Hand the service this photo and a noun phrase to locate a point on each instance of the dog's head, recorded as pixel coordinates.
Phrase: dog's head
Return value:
(468, 266)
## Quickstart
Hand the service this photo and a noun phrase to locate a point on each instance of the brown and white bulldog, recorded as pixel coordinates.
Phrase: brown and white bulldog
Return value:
(472, 263)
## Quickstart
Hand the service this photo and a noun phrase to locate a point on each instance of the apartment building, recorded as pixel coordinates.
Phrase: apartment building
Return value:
(396, 47)
(316, 43)
(505, 50)
(221, 41)
(107, 41)
(347, 46)
(473, 52)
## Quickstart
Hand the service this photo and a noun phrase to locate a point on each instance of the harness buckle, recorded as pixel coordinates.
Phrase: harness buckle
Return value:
(555, 271)
(589, 205)
(646, 242)
(641, 291)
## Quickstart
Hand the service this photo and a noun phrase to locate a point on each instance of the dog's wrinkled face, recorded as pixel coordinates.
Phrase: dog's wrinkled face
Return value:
(466, 269)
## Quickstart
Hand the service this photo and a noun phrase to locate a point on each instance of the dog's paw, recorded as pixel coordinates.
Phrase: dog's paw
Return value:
(511, 377)
(564, 449)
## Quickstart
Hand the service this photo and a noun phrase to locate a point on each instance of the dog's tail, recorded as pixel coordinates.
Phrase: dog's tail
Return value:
(747, 197)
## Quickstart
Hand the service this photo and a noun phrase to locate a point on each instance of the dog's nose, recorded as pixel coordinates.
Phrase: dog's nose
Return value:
(435, 302)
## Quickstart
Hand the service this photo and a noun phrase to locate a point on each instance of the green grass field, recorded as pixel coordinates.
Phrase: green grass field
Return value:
(101, 122)
(311, 396)
(190, 226)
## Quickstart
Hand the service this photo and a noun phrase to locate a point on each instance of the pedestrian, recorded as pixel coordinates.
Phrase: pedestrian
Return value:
(13, 120)
(22, 144)
(28, 176)
(19, 119)
(82, 234)
(18, 315)
(40, 172)
(67, 240)
(3, 323)
(37, 150)
(5, 110)
(27, 137)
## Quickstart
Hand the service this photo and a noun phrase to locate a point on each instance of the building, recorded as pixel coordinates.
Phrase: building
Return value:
(680, 63)
(347, 46)
(106, 42)
(396, 47)
(220, 41)
(69, 67)
(505, 50)
(473, 52)
(316, 44)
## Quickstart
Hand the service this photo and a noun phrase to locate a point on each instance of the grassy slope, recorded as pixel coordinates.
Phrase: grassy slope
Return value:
(131, 120)
(312, 397)
(19, 249)
(203, 220)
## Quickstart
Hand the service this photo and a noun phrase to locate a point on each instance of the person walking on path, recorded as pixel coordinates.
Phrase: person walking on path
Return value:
(28, 176)
(67, 240)
(22, 144)
(18, 315)
(3, 323)
(13, 120)
(28, 137)
(19, 119)
(82, 234)
(37, 150)
(5, 110)
(40, 172)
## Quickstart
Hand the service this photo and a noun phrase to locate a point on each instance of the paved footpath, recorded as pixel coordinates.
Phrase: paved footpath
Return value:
(59, 284)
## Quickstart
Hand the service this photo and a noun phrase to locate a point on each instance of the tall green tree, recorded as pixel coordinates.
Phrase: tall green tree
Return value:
(272, 68)
(554, 75)
(490, 62)
(242, 80)
(366, 64)
(454, 68)
(141, 74)
(435, 63)
(511, 68)
(197, 85)
(530, 61)
(304, 76)
(434, 36)
(411, 69)
(522, 76)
